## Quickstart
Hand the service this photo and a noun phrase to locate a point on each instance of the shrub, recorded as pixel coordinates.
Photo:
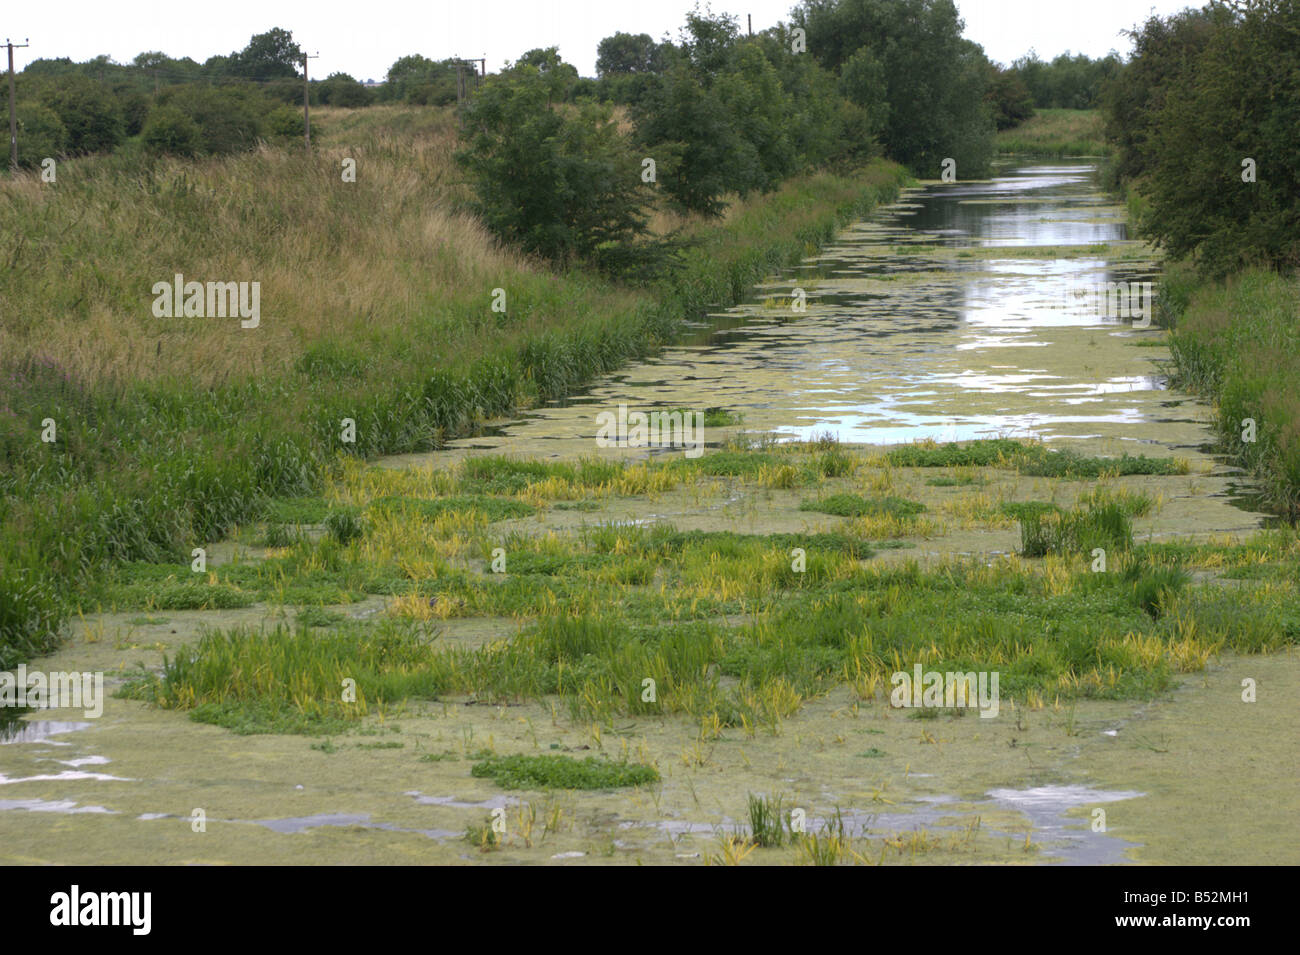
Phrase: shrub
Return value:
(345, 525)
(558, 183)
(285, 121)
(41, 134)
(91, 114)
(340, 89)
(228, 117)
(168, 131)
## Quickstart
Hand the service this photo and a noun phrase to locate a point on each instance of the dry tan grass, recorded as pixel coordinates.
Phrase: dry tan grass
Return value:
(332, 258)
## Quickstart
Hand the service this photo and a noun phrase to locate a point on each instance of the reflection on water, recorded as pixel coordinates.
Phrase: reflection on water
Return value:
(1075, 842)
(949, 315)
(38, 731)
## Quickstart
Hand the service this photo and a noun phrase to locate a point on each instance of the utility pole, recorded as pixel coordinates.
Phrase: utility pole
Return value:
(306, 97)
(13, 120)
(750, 18)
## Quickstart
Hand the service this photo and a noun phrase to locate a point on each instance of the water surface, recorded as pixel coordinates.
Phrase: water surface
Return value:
(961, 311)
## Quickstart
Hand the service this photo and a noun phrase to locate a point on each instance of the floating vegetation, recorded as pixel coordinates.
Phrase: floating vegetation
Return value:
(562, 772)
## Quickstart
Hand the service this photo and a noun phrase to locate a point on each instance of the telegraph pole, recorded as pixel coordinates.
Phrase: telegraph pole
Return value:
(13, 120)
(480, 73)
(306, 97)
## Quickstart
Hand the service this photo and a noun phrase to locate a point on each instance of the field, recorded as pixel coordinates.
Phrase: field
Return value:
(1056, 132)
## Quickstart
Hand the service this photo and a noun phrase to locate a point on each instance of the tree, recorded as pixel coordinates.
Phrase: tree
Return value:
(558, 181)
(708, 39)
(91, 114)
(934, 79)
(686, 129)
(340, 89)
(557, 75)
(1008, 97)
(625, 53)
(1228, 90)
(268, 55)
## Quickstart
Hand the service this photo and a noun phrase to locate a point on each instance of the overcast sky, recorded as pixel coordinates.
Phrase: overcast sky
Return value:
(364, 38)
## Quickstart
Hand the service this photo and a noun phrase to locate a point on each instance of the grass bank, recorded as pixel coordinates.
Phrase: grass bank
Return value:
(127, 437)
(1238, 343)
(1056, 132)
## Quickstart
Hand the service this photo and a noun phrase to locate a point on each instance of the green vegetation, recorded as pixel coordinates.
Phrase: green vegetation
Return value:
(1105, 526)
(562, 772)
(1238, 342)
(1190, 116)
(558, 184)
(906, 64)
(1066, 83)
(851, 505)
(1204, 152)
(1057, 132)
(732, 631)
(1030, 459)
(211, 422)
(766, 824)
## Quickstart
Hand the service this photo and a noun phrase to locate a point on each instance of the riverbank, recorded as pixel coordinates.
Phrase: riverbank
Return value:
(378, 335)
(1238, 343)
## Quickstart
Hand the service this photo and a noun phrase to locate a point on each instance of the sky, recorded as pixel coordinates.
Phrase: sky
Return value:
(364, 39)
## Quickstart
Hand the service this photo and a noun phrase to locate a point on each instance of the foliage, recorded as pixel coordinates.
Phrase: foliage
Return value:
(562, 772)
(93, 118)
(1066, 82)
(168, 131)
(932, 79)
(558, 182)
(1207, 92)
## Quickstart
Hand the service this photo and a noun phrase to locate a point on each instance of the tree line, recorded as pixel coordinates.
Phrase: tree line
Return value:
(566, 167)
(1206, 117)
(182, 107)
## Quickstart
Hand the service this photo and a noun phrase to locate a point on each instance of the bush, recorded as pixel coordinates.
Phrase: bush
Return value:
(229, 118)
(345, 525)
(168, 131)
(560, 183)
(342, 90)
(285, 121)
(41, 134)
(1103, 525)
(91, 114)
